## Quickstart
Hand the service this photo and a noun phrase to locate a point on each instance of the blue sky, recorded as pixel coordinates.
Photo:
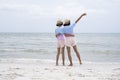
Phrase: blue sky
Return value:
(103, 16)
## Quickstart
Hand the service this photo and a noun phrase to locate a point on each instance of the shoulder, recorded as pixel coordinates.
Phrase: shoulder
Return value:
(56, 30)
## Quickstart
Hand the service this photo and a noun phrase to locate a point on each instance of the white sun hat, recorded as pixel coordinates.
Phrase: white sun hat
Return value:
(59, 22)
(66, 21)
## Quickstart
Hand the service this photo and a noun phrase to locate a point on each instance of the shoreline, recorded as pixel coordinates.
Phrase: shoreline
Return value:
(39, 69)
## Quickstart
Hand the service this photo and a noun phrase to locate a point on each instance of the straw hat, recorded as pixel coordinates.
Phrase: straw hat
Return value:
(66, 21)
(59, 22)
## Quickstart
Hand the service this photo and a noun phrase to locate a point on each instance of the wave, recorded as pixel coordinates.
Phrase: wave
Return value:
(24, 50)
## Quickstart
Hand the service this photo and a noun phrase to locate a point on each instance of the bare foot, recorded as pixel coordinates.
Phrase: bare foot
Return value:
(70, 65)
(80, 62)
(56, 64)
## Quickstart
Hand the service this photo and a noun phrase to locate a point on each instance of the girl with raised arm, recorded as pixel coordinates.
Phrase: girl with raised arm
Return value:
(70, 38)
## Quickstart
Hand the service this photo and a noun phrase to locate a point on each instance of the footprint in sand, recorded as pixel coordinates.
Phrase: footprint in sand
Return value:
(22, 78)
(46, 68)
(116, 69)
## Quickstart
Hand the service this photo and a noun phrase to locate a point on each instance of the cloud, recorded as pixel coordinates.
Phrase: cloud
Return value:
(22, 9)
(39, 12)
(34, 9)
(69, 8)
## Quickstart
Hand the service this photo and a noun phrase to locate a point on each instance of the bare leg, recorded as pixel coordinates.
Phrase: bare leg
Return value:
(63, 56)
(69, 56)
(77, 53)
(57, 56)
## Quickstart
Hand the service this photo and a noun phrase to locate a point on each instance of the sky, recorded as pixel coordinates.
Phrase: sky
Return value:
(103, 16)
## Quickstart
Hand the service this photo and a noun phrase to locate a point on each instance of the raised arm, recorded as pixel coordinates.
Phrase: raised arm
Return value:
(80, 17)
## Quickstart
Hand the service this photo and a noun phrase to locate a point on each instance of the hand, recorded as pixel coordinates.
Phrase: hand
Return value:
(80, 17)
(84, 14)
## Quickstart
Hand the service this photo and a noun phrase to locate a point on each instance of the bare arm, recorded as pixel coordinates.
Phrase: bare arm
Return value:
(80, 17)
(68, 35)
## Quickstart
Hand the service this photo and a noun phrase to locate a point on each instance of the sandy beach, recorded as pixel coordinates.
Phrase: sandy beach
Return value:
(36, 69)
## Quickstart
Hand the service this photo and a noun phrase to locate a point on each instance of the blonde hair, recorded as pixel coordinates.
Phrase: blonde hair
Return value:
(66, 22)
(59, 23)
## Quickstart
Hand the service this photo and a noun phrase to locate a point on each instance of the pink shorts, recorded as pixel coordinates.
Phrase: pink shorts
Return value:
(60, 43)
(70, 41)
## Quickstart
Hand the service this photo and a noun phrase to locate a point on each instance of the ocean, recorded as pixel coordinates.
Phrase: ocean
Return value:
(93, 47)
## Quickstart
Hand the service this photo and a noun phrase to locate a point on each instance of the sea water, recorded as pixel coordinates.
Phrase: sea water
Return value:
(97, 47)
